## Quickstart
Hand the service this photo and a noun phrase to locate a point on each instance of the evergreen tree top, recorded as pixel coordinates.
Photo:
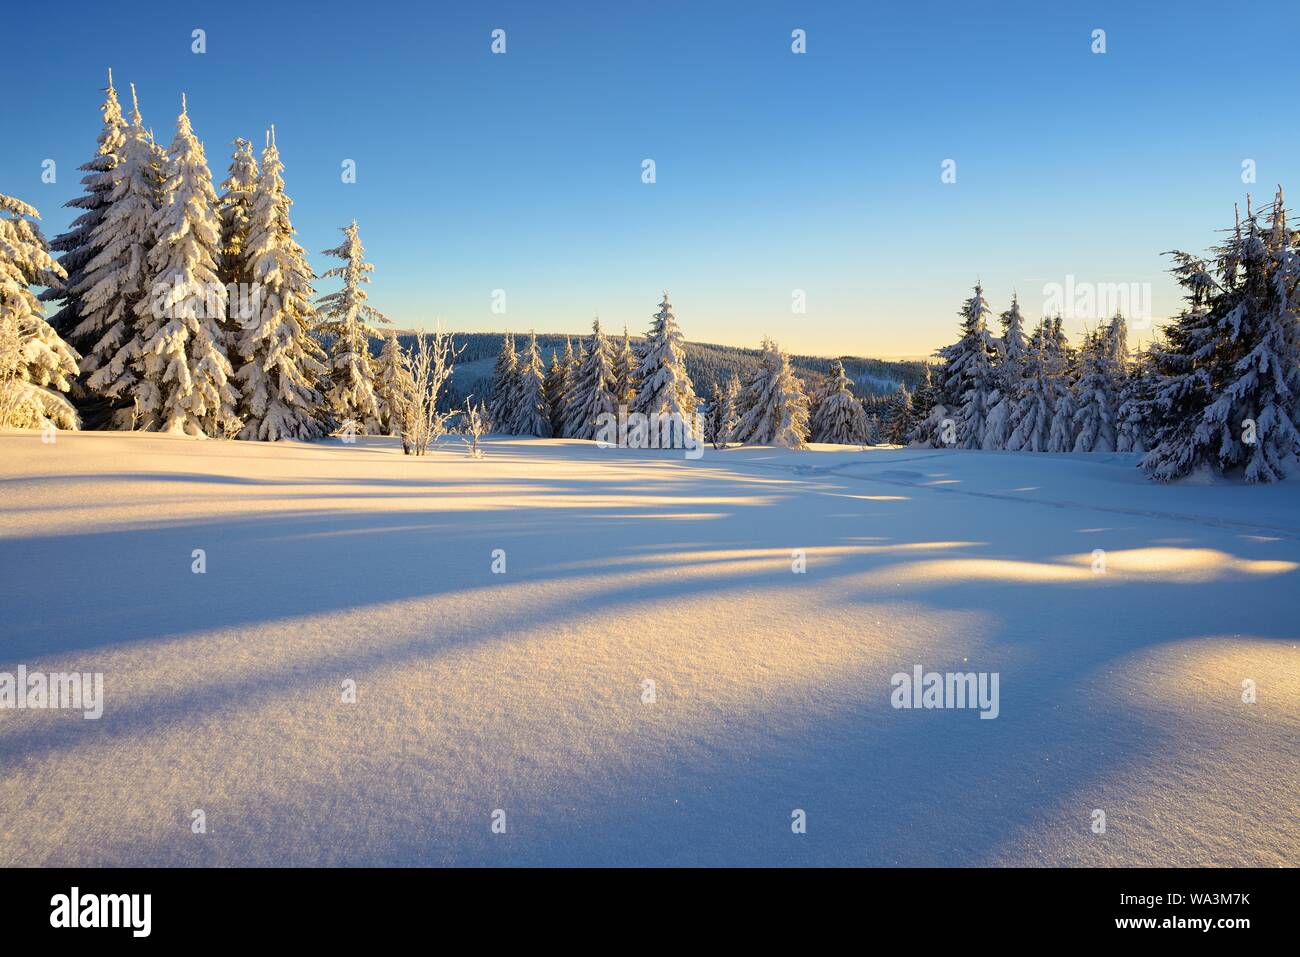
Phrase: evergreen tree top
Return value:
(242, 175)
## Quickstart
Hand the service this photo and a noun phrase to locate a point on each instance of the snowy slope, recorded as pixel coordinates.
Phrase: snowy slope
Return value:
(523, 691)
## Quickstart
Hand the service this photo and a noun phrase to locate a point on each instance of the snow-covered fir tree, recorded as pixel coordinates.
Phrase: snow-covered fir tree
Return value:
(821, 389)
(1115, 333)
(625, 371)
(347, 318)
(36, 365)
(1262, 385)
(724, 412)
(1228, 397)
(929, 411)
(281, 361)
(532, 414)
(505, 387)
(1097, 391)
(900, 419)
(593, 388)
(1060, 365)
(235, 208)
(183, 375)
(1133, 417)
(571, 395)
(664, 387)
(1031, 420)
(559, 383)
(968, 371)
(1009, 375)
(839, 417)
(116, 279)
(78, 246)
(712, 407)
(875, 430)
(774, 407)
(393, 384)
(1061, 435)
(552, 389)
(1051, 332)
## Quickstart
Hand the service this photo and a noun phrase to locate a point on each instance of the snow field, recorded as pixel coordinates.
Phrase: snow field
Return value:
(524, 691)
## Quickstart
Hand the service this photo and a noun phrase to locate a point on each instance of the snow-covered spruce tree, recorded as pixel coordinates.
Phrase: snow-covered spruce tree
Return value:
(721, 417)
(625, 371)
(1097, 393)
(1061, 364)
(115, 280)
(571, 395)
(1031, 420)
(935, 431)
(664, 387)
(968, 369)
(1009, 374)
(929, 412)
(1115, 335)
(712, 413)
(393, 383)
(35, 364)
(729, 414)
(1229, 393)
(839, 418)
(532, 415)
(559, 381)
(1051, 332)
(552, 386)
(900, 420)
(1263, 384)
(183, 375)
(346, 317)
(78, 245)
(553, 391)
(235, 207)
(505, 387)
(775, 407)
(281, 361)
(593, 388)
(1061, 435)
(1132, 419)
(571, 363)
(874, 430)
(821, 389)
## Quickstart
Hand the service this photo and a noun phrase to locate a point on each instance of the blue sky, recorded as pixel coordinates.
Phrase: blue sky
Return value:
(775, 171)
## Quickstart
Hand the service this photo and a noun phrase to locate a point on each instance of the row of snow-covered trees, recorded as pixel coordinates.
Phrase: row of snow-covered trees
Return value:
(182, 309)
(569, 399)
(1219, 388)
(1030, 392)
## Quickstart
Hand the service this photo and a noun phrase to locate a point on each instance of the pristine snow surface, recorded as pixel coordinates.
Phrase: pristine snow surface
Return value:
(523, 691)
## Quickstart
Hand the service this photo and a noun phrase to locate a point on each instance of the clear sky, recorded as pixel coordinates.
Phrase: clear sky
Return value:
(775, 171)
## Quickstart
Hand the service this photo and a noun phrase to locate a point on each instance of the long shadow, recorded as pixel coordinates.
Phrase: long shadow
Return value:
(920, 788)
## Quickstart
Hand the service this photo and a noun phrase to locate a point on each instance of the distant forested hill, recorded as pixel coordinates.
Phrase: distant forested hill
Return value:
(706, 363)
